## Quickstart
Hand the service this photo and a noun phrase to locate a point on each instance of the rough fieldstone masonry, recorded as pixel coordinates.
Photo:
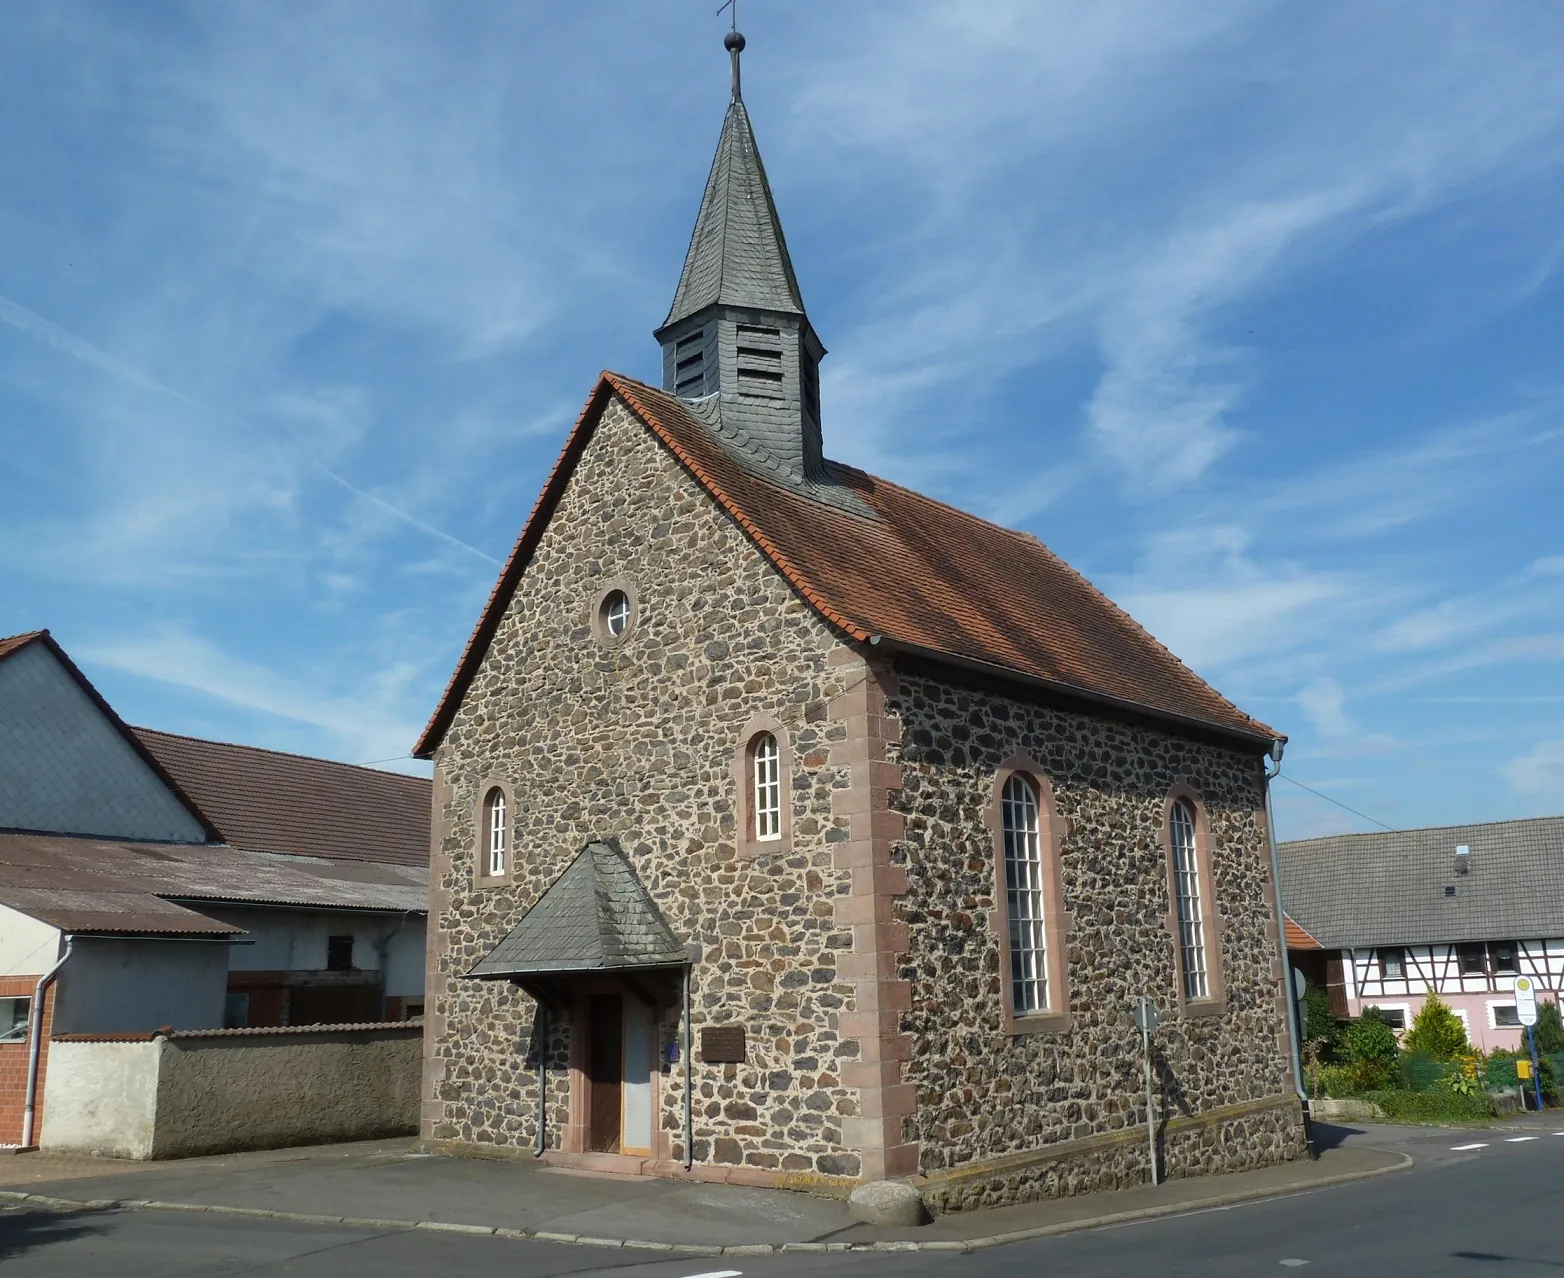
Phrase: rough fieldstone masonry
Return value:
(637, 742)
(771, 712)
(864, 960)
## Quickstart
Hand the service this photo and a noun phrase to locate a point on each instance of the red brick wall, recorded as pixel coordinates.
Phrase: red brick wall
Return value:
(13, 1064)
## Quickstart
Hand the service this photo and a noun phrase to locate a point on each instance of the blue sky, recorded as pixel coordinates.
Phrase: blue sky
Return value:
(1252, 311)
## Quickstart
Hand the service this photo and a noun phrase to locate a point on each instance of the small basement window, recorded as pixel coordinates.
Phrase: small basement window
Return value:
(1506, 1016)
(13, 1019)
(339, 953)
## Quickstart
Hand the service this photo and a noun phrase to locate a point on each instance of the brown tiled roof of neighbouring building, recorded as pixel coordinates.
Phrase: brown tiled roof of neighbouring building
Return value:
(268, 801)
(915, 574)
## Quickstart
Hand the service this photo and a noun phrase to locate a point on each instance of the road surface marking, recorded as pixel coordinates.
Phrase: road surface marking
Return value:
(1292, 1263)
(1516, 1140)
(719, 1273)
(1461, 1149)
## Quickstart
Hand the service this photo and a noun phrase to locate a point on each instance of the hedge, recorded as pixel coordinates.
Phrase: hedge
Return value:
(1437, 1105)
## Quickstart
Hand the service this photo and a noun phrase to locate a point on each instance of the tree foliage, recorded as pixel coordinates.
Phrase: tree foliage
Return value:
(1549, 1029)
(1436, 1030)
(1370, 1038)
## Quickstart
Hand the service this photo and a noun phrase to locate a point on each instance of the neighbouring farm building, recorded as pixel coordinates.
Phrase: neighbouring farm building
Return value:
(1380, 919)
(155, 885)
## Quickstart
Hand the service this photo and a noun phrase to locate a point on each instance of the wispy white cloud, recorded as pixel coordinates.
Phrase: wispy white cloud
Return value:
(366, 722)
(1539, 773)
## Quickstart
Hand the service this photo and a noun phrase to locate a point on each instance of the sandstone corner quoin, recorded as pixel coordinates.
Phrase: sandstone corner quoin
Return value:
(924, 811)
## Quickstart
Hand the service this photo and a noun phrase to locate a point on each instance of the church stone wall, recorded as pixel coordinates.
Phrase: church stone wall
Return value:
(637, 741)
(985, 1096)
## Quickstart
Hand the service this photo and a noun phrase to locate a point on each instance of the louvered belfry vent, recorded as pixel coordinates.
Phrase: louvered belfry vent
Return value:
(737, 343)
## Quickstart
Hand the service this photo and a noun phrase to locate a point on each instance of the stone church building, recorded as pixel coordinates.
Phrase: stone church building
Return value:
(793, 828)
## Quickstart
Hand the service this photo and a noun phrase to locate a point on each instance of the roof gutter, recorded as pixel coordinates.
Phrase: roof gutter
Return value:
(1263, 740)
(34, 1041)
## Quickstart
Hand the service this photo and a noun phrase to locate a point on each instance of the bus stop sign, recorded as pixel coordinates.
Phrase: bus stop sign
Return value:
(1526, 1000)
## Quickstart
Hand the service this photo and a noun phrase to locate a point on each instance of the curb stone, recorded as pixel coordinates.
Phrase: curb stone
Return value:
(18, 1197)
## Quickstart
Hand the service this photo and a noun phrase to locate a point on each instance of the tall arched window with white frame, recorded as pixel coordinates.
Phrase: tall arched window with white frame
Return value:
(1191, 911)
(1024, 897)
(497, 831)
(766, 794)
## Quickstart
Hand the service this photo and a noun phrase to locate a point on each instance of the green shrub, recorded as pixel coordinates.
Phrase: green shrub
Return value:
(1334, 1081)
(1370, 1038)
(1420, 1071)
(1437, 1105)
(1436, 1031)
(1549, 1029)
(1318, 1021)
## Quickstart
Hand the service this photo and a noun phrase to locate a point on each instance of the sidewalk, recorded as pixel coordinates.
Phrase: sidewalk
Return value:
(388, 1184)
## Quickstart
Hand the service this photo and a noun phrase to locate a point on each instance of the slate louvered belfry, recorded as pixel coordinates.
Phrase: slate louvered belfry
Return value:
(737, 344)
(595, 917)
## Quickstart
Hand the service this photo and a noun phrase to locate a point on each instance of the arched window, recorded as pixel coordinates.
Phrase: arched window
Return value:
(497, 831)
(766, 796)
(1024, 897)
(1191, 917)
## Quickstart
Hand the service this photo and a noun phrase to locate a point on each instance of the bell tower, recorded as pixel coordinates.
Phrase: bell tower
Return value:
(737, 343)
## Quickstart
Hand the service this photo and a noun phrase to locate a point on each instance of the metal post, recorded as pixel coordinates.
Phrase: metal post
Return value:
(1151, 1113)
(1536, 1072)
(542, 1080)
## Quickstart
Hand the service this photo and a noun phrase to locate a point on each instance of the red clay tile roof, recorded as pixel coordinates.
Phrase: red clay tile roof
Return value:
(1298, 939)
(923, 577)
(267, 801)
(13, 643)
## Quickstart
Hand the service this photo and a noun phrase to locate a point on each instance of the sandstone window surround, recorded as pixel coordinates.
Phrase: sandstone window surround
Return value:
(615, 611)
(1028, 834)
(763, 786)
(1193, 921)
(493, 821)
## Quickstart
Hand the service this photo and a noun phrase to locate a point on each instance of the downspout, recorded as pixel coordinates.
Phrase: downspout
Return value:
(689, 1100)
(383, 954)
(1289, 993)
(34, 1041)
(542, 1080)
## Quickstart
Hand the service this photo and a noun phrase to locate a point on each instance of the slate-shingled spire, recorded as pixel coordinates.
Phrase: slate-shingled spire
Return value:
(737, 340)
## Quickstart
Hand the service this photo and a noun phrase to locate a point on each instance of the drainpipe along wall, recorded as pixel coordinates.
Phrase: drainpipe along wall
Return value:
(35, 1042)
(1289, 994)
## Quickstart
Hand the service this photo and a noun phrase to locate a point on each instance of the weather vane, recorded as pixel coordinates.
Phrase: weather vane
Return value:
(733, 42)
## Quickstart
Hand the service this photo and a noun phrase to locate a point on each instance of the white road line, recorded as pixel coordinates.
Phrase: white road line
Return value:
(1516, 1140)
(1461, 1149)
(719, 1273)
(1292, 1263)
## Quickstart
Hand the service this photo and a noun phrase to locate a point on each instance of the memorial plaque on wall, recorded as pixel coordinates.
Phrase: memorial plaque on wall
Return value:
(722, 1044)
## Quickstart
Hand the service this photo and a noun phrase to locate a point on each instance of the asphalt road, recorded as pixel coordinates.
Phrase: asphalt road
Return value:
(1489, 1211)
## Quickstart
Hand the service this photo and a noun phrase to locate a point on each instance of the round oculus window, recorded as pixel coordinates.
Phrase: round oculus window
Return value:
(616, 613)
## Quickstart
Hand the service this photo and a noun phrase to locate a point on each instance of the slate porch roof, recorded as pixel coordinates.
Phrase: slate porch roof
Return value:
(921, 577)
(1361, 890)
(595, 917)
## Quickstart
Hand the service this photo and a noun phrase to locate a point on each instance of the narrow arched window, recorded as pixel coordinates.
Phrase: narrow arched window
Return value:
(1024, 897)
(766, 799)
(1191, 917)
(497, 829)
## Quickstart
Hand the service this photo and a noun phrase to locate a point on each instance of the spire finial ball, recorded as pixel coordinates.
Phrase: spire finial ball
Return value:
(733, 42)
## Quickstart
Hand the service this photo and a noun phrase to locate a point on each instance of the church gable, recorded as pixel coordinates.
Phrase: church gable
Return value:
(68, 765)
